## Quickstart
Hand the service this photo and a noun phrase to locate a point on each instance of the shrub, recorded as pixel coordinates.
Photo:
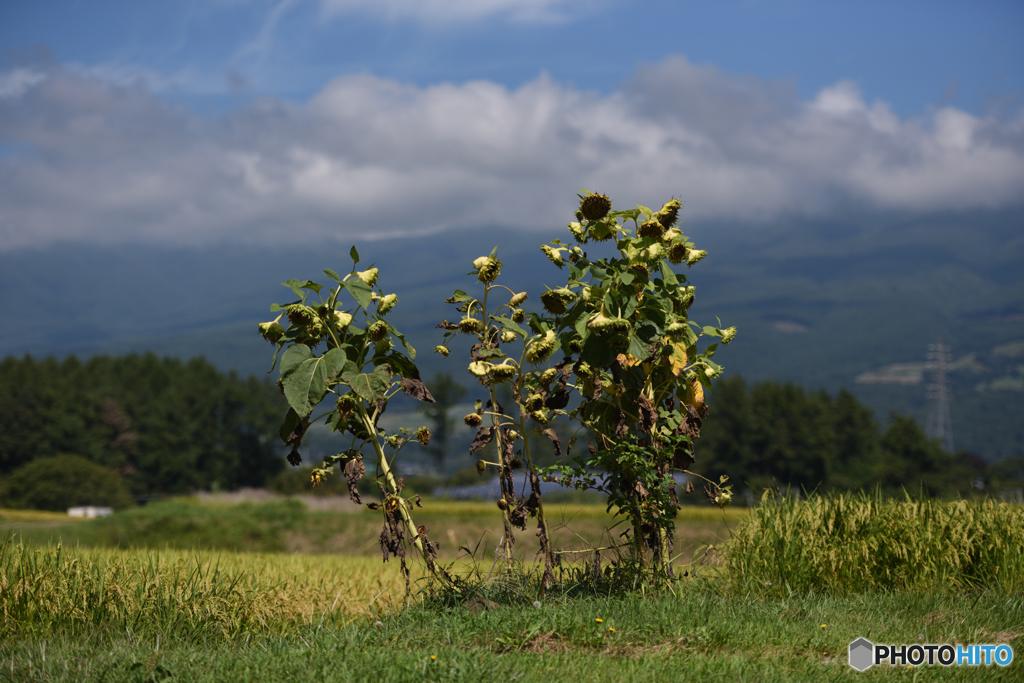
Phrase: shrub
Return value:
(61, 482)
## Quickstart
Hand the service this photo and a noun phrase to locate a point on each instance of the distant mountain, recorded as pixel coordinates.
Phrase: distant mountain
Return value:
(816, 303)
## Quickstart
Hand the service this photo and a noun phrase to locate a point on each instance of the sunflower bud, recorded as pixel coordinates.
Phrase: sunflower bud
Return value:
(508, 336)
(555, 300)
(539, 350)
(481, 466)
(378, 331)
(342, 318)
(677, 253)
(272, 331)
(345, 405)
(502, 504)
(548, 375)
(423, 436)
(470, 325)
(473, 420)
(669, 213)
(689, 295)
(554, 254)
(517, 299)
(655, 252)
(503, 372)
(577, 232)
(595, 206)
(488, 268)
(671, 234)
(513, 435)
(443, 350)
(386, 304)
(579, 215)
(729, 335)
(533, 402)
(368, 276)
(676, 328)
(540, 416)
(575, 346)
(383, 346)
(650, 229)
(479, 367)
(603, 323)
(518, 315)
(695, 256)
(723, 499)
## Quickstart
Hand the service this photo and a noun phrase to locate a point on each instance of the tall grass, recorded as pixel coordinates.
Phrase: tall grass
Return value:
(58, 591)
(847, 543)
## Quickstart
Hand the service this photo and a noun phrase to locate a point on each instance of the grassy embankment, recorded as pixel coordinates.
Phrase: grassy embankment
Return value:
(134, 614)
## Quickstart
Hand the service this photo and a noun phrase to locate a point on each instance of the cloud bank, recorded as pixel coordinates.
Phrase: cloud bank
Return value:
(85, 160)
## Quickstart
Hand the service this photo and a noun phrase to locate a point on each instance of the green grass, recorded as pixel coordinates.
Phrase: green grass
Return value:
(137, 614)
(857, 542)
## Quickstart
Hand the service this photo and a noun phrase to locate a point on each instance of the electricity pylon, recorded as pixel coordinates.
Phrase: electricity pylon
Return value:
(939, 425)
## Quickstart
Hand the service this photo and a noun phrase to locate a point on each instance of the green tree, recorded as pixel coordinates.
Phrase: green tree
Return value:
(61, 482)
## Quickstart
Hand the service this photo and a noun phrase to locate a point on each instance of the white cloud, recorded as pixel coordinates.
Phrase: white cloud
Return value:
(458, 11)
(370, 157)
(16, 81)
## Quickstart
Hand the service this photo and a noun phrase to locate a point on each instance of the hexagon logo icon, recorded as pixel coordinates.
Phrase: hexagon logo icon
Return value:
(862, 654)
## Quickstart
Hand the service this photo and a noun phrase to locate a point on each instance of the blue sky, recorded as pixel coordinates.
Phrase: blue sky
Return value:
(190, 121)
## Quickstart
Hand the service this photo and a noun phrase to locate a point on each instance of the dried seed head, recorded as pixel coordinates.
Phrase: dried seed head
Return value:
(556, 300)
(677, 252)
(641, 270)
(518, 315)
(516, 464)
(503, 372)
(650, 228)
(423, 436)
(595, 206)
(508, 336)
(378, 331)
(548, 375)
(386, 303)
(540, 416)
(470, 325)
(600, 231)
(299, 314)
(368, 276)
(272, 331)
(533, 402)
(479, 367)
(487, 268)
(669, 213)
(517, 299)
(575, 346)
(502, 504)
(473, 420)
(541, 349)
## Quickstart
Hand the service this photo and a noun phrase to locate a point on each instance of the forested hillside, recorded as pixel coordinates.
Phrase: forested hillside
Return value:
(166, 425)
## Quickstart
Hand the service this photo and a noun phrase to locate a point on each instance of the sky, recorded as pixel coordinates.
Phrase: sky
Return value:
(192, 122)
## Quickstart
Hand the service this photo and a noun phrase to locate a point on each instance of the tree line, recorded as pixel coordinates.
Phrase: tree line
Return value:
(773, 435)
(165, 425)
(169, 426)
